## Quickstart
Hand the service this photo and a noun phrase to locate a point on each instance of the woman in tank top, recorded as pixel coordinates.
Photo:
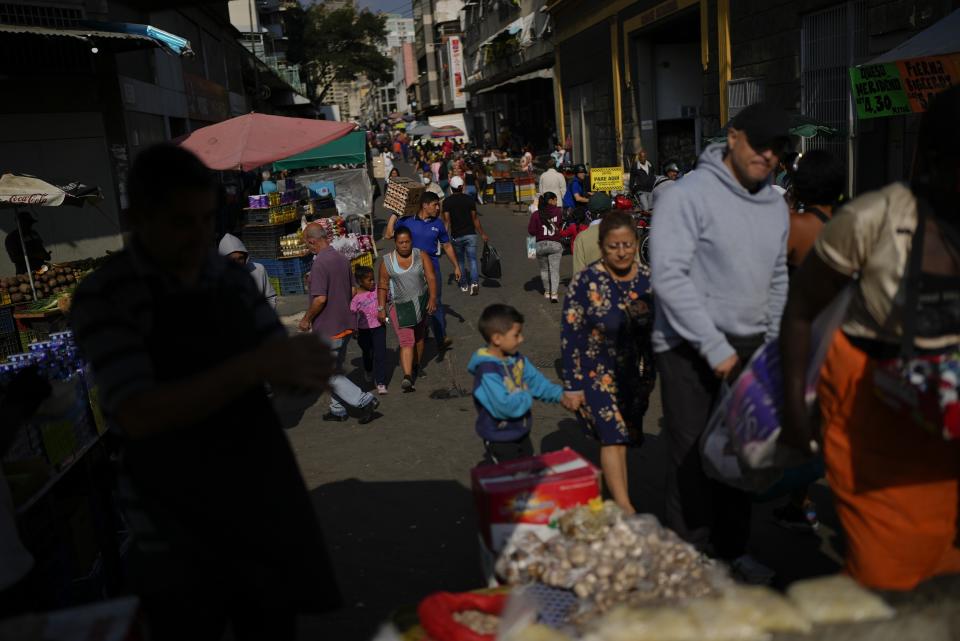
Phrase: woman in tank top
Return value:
(410, 282)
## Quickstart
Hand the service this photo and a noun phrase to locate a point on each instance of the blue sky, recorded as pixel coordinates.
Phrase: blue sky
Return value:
(390, 6)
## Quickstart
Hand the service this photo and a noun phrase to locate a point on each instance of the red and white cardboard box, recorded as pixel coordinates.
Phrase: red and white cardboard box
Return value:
(523, 494)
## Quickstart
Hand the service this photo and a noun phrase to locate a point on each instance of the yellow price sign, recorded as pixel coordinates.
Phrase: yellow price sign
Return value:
(606, 179)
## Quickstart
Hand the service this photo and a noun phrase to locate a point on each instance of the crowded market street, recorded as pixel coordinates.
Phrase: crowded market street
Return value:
(394, 495)
(486, 320)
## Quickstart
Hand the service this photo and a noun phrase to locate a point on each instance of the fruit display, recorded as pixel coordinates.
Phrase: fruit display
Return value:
(49, 282)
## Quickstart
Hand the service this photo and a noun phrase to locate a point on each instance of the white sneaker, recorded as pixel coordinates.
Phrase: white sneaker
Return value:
(464, 288)
(751, 571)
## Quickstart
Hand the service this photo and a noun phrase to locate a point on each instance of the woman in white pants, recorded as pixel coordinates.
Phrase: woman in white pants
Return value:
(545, 227)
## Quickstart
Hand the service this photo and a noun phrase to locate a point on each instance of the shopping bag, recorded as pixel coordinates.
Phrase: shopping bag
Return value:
(490, 262)
(719, 459)
(740, 445)
(531, 247)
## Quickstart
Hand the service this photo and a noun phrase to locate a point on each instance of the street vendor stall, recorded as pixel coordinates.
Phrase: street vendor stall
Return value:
(572, 566)
(338, 194)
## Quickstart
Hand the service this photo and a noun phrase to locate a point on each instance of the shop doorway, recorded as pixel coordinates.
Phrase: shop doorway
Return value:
(668, 89)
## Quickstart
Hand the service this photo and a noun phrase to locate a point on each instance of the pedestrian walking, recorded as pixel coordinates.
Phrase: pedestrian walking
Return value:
(233, 248)
(896, 484)
(371, 333)
(818, 188)
(407, 284)
(720, 280)
(330, 318)
(818, 185)
(608, 372)
(465, 231)
(552, 181)
(578, 195)
(443, 175)
(430, 236)
(545, 225)
(586, 247)
(181, 344)
(505, 384)
(642, 179)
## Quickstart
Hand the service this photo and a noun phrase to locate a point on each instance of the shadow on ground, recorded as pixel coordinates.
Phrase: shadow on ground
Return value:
(393, 544)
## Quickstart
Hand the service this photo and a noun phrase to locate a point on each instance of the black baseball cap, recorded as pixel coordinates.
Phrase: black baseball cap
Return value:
(766, 126)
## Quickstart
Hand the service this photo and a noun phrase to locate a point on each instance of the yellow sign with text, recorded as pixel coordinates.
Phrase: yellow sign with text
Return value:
(606, 179)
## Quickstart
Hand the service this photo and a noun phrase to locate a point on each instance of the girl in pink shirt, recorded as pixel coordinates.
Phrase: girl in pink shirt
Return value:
(371, 335)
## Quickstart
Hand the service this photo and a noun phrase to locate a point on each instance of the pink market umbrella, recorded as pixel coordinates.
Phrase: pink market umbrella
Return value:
(247, 142)
(447, 131)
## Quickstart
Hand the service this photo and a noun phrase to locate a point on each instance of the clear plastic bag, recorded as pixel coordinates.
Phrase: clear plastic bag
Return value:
(837, 599)
(765, 609)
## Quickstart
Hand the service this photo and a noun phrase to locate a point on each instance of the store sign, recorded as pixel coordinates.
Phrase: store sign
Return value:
(902, 87)
(923, 78)
(457, 77)
(606, 179)
(206, 100)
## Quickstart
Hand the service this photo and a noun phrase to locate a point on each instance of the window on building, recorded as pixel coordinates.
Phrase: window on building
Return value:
(831, 41)
(743, 92)
(56, 17)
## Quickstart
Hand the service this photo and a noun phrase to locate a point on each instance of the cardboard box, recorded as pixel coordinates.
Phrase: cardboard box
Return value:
(524, 494)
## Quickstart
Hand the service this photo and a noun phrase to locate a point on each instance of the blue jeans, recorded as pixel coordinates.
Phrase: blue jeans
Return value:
(466, 250)
(439, 320)
(343, 391)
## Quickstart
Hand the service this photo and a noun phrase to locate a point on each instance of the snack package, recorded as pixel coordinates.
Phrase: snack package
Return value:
(837, 599)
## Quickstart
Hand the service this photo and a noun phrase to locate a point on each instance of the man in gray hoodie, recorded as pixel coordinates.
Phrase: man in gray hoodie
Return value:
(234, 249)
(718, 250)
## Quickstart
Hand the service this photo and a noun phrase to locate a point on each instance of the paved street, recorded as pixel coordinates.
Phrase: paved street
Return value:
(393, 496)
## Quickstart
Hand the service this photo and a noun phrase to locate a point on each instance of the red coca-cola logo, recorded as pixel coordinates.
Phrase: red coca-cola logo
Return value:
(28, 199)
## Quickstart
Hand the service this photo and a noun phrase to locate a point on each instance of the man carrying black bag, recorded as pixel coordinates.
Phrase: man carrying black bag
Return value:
(490, 262)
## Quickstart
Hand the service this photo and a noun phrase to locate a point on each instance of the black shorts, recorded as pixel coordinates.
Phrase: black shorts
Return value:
(503, 451)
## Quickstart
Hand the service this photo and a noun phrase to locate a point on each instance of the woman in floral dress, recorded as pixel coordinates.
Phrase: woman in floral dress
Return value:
(608, 372)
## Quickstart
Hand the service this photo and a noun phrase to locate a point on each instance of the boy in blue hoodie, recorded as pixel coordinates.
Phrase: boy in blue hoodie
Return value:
(504, 385)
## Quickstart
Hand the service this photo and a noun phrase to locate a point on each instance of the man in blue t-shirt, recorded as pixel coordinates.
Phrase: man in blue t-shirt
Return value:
(430, 237)
(577, 195)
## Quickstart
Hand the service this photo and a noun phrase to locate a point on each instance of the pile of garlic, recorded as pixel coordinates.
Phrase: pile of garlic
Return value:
(608, 559)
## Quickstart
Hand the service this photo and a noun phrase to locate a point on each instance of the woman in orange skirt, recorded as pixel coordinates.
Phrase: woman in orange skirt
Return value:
(897, 486)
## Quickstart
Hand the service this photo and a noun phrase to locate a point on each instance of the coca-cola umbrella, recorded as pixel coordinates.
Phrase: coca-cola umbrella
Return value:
(252, 140)
(20, 191)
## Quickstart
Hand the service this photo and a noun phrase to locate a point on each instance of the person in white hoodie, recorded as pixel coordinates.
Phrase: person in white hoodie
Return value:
(234, 249)
(719, 267)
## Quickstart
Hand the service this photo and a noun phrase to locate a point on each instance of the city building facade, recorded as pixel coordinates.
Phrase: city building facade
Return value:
(509, 62)
(84, 108)
(667, 76)
(438, 29)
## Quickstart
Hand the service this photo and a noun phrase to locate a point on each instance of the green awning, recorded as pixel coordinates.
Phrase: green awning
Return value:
(349, 150)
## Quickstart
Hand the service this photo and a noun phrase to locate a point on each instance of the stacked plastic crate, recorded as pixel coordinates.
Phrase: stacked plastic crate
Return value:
(271, 221)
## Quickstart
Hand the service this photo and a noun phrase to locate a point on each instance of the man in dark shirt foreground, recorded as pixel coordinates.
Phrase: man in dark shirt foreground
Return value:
(181, 344)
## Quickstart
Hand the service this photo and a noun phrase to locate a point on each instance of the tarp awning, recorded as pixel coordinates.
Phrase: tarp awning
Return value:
(942, 37)
(533, 75)
(349, 150)
(124, 40)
